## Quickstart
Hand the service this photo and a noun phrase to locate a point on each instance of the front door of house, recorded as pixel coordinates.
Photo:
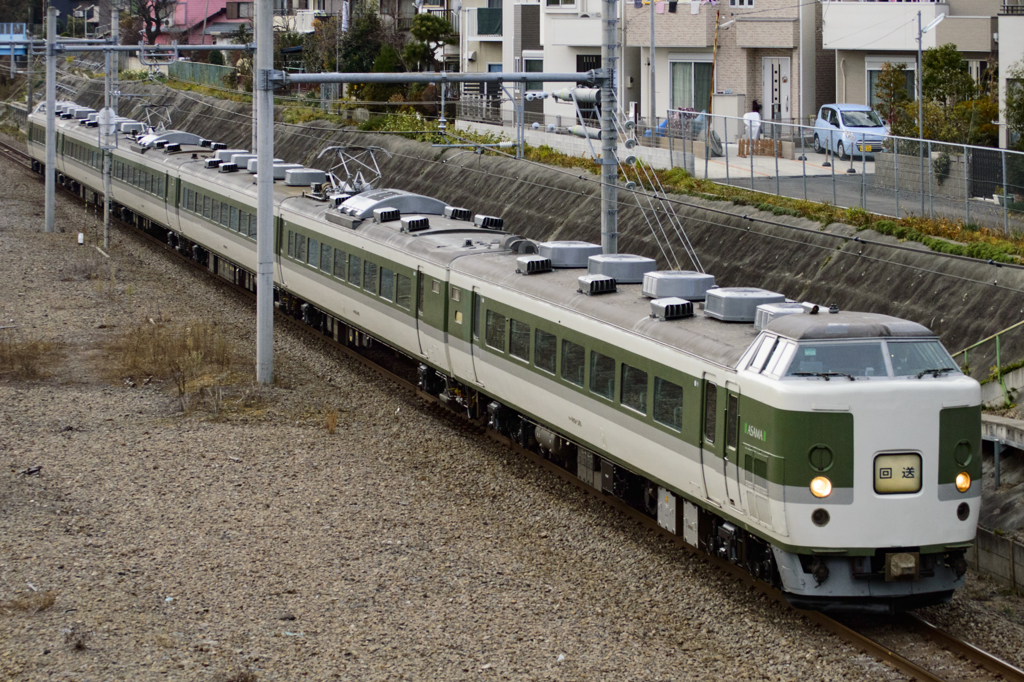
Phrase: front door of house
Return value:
(775, 88)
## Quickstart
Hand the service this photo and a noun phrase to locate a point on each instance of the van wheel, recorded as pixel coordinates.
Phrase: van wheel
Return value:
(817, 145)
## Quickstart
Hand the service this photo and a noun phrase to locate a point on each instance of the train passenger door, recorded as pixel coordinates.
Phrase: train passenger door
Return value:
(474, 331)
(712, 449)
(731, 458)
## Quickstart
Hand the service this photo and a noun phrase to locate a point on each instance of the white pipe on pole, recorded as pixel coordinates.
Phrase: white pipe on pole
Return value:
(115, 75)
(109, 60)
(51, 122)
(255, 140)
(264, 96)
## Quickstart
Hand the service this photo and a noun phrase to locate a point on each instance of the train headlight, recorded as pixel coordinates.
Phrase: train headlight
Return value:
(963, 481)
(822, 487)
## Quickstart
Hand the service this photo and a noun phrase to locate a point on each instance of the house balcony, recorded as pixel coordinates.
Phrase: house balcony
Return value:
(483, 24)
(881, 26)
(679, 29)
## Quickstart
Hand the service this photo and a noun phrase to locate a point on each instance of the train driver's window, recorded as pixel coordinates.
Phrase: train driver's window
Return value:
(634, 388)
(495, 331)
(668, 404)
(763, 351)
(545, 349)
(573, 361)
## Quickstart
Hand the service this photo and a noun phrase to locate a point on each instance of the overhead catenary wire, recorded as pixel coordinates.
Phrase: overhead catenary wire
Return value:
(676, 201)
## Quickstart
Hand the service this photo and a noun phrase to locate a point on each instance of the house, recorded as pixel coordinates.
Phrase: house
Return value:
(1011, 54)
(771, 53)
(866, 35)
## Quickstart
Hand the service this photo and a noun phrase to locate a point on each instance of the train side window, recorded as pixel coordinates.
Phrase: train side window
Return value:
(668, 404)
(387, 284)
(634, 388)
(495, 331)
(252, 226)
(733, 425)
(435, 287)
(420, 293)
(355, 271)
(206, 206)
(313, 253)
(300, 248)
(519, 340)
(370, 277)
(192, 201)
(573, 359)
(234, 220)
(403, 296)
(215, 211)
(160, 185)
(545, 350)
(710, 411)
(325, 257)
(602, 375)
(225, 214)
(456, 294)
(291, 244)
(764, 351)
(340, 259)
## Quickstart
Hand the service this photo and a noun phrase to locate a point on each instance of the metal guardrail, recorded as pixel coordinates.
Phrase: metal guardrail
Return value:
(999, 364)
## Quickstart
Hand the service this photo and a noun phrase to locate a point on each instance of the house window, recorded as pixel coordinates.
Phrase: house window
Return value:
(561, 3)
(741, 3)
(691, 85)
(874, 74)
(534, 66)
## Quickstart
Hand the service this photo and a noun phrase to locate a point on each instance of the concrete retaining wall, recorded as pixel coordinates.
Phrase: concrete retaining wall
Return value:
(998, 557)
(656, 157)
(951, 187)
(960, 300)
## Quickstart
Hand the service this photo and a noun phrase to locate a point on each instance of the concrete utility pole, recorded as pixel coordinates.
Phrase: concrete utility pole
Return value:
(51, 121)
(653, 122)
(263, 95)
(115, 75)
(609, 136)
(255, 112)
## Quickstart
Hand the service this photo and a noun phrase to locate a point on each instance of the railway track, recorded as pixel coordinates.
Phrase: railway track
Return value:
(908, 643)
(16, 155)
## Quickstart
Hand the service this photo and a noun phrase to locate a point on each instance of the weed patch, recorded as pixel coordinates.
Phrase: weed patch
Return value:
(24, 357)
(29, 603)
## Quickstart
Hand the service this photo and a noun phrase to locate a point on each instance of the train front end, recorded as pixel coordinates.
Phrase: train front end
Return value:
(883, 485)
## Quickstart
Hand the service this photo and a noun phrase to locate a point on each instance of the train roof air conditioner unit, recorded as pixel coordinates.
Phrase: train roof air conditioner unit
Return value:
(671, 308)
(212, 163)
(386, 215)
(415, 223)
(592, 285)
(457, 213)
(489, 222)
(533, 265)
(228, 167)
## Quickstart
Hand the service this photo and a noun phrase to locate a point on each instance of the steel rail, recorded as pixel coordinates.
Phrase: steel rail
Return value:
(993, 664)
(14, 154)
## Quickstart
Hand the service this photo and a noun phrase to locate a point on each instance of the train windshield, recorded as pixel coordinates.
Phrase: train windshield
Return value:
(855, 359)
(858, 359)
(917, 357)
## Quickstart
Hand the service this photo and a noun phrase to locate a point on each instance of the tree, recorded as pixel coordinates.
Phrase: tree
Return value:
(131, 30)
(152, 14)
(216, 57)
(946, 77)
(432, 33)
(1013, 107)
(891, 91)
(361, 45)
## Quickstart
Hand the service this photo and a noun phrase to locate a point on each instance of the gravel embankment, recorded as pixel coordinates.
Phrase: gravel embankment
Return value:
(186, 546)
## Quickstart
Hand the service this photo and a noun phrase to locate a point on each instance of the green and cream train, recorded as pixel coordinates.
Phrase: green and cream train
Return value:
(834, 454)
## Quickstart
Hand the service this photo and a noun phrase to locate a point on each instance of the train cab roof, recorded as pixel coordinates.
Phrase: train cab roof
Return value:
(845, 325)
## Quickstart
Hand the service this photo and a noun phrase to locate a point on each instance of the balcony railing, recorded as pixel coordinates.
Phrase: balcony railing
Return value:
(1012, 10)
(483, 23)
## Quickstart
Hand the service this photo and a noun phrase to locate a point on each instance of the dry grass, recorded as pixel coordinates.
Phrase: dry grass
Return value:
(184, 353)
(29, 603)
(331, 421)
(88, 265)
(24, 357)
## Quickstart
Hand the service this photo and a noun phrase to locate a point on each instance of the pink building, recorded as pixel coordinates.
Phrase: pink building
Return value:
(192, 17)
